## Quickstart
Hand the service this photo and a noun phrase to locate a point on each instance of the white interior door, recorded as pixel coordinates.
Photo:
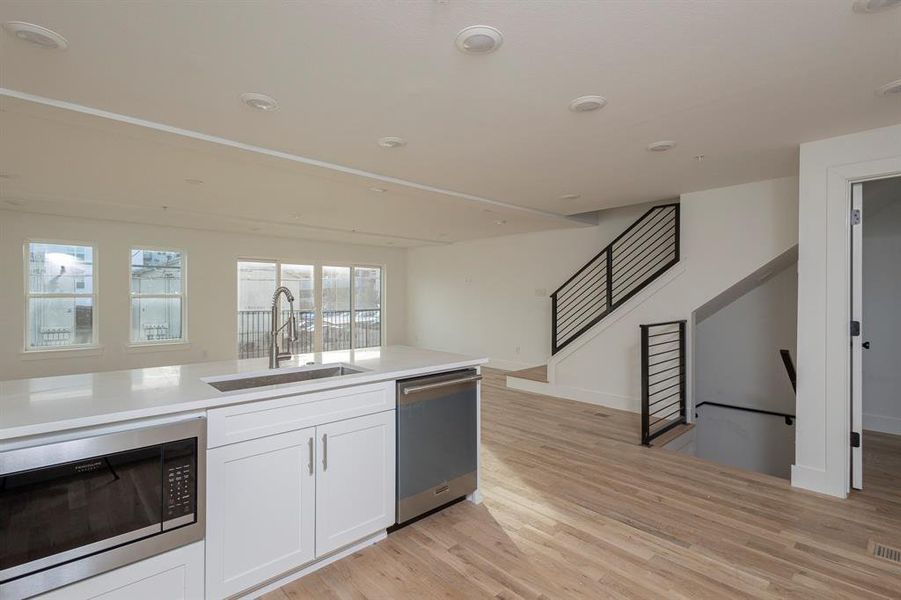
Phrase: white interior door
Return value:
(857, 340)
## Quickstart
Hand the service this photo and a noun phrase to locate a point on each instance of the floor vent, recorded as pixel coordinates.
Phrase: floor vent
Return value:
(887, 553)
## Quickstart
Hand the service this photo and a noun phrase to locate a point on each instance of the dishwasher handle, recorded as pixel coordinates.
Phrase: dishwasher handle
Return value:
(440, 384)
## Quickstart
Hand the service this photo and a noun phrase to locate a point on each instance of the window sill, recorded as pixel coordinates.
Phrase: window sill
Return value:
(157, 347)
(72, 352)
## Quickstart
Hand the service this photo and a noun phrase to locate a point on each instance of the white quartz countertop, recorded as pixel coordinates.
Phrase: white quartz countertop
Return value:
(52, 404)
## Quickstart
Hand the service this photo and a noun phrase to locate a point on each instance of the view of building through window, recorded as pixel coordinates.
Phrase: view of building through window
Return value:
(60, 296)
(157, 296)
(258, 280)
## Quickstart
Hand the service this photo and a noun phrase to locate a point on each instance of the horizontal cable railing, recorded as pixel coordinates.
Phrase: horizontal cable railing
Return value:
(663, 372)
(639, 255)
(254, 331)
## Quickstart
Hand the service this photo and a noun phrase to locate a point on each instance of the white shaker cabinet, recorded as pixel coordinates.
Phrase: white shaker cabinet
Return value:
(260, 510)
(355, 484)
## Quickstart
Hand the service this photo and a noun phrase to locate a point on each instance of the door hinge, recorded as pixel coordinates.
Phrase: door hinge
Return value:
(855, 328)
(855, 439)
(855, 216)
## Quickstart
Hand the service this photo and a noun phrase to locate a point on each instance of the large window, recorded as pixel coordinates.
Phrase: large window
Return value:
(157, 296)
(257, 281)
(60, 296)
(346, 314)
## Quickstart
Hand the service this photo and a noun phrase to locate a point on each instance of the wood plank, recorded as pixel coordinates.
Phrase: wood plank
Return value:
(576, 508)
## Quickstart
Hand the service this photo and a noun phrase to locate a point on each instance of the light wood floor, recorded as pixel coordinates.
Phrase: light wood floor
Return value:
(575, 508)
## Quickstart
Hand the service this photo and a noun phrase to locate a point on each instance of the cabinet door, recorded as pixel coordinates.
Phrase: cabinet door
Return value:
(260, 510)
(355, 480)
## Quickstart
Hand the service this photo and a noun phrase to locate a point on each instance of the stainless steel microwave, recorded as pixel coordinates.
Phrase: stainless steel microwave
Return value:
(77, 506)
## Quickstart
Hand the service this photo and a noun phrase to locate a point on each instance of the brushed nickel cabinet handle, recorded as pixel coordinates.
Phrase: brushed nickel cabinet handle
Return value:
(310, 443)
(324, 451)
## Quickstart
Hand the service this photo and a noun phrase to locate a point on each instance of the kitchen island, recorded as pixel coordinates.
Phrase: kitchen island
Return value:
(287, 477)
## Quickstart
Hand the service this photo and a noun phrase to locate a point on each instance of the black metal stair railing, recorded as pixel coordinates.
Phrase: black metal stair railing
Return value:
(663, 373)
(626, 266)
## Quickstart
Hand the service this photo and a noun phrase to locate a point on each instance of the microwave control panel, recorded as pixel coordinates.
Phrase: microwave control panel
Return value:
(179, 480)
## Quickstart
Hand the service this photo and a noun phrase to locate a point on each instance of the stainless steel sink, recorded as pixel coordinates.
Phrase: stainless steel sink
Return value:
(232, 384)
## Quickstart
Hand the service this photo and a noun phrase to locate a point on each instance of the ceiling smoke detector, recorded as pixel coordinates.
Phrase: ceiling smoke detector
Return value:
(37, 35)
(479, 39)
(661, 146)
(892, 88)
(872, 6)
(259, 101)
(587, 103)
(392, 142)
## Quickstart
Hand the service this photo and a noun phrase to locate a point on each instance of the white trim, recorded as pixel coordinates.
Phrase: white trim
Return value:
(828, 168)
(61, 352)
(160, 346)
(595, 397)
(61, 104)
(882, 423)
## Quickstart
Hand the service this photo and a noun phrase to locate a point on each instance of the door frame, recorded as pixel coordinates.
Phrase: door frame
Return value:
(856, 299)
(841, 181)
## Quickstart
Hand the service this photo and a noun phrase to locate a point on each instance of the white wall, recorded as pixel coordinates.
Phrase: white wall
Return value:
(881, 319)
(727, 233)
(491, 296)
(736, 349)
(823, 406)
(752, 441)
(212, 286)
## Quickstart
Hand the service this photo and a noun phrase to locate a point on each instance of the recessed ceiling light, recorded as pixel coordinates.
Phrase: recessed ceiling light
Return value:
(570, 196)
(392, 142)
(378, 190)
(194, 181)
(587, 103)
(479, 39)
(871, 6)
(501, 222)
(891, 88)
(259, 101)
(661, 146)
(37, 35)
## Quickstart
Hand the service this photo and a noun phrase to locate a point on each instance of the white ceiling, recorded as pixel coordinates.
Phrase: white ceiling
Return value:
(741, 82)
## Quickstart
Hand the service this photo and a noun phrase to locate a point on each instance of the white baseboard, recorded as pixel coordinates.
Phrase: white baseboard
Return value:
(815, 480)
(573, 393)
(882, 424)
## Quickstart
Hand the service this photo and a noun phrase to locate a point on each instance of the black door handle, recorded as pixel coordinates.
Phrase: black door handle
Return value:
(866, 345)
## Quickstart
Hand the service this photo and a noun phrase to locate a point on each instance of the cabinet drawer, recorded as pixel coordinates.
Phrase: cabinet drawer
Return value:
(241, 422)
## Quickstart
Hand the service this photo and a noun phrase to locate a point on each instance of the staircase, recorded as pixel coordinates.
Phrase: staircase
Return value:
(641, 254)
(637, 257)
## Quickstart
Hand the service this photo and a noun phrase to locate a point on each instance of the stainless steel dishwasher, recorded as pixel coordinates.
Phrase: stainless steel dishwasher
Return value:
(437, 441)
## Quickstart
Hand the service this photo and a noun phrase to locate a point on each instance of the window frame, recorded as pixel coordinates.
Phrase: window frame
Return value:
(183, 295)
(28, 295)
(317, 265)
